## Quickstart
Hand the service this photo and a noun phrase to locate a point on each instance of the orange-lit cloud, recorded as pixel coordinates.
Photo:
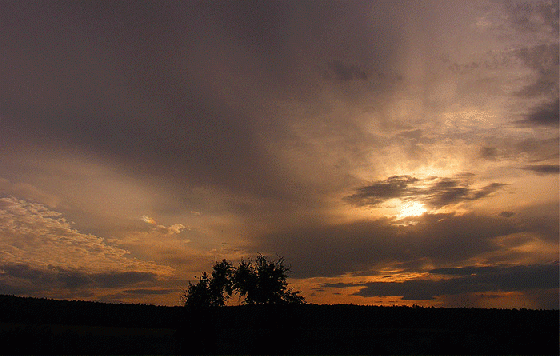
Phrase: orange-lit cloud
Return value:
(40, 249)
(148, 220)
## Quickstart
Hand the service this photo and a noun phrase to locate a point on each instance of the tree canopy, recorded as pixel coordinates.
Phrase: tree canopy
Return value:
(259, 282)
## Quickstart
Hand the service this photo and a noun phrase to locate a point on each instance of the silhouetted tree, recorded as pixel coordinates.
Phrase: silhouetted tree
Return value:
(264, 282)
(211, 291)
(260, 282)
(198, 336)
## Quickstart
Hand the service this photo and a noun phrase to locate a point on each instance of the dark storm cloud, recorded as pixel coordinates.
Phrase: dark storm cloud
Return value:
(438, 193)
(543, 168)
(23, 271)
(184, 91)
(464, 280)
(333, 250)
(535, 151)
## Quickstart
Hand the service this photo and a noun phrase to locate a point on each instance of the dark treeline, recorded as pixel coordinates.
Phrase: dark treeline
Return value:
(70, 312)
(30, 325)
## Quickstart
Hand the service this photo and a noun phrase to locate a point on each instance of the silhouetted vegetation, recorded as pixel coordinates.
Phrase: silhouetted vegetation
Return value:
(41, 326)
(259, 282)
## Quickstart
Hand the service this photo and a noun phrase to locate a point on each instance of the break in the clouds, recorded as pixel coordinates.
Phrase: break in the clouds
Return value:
(350, 137)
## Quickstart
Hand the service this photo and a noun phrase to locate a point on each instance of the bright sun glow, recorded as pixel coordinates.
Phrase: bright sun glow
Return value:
(411, 209)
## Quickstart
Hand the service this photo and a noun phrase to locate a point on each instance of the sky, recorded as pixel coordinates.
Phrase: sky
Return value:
(393, 153)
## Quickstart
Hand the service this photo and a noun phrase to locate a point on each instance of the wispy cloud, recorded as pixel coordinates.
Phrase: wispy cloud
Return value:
(41, 249)
(434, 191)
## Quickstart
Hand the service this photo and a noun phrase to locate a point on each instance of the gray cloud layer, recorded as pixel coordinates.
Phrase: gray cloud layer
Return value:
(159, 87)
(147, 86)
(436, 240)
(56, 277)
(465, 280)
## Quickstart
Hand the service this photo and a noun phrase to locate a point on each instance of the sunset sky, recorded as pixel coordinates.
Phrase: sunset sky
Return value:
(393, 152)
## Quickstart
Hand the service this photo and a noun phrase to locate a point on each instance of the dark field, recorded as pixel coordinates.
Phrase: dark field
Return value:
(40, 326)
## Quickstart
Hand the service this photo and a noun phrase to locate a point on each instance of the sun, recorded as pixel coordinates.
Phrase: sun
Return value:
(410, 209)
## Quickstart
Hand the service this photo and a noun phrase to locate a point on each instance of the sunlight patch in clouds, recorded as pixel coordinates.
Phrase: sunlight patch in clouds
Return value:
(410, 209)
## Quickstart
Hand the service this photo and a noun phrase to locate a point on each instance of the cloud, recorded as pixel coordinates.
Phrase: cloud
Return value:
(344, 72)
(543, 60)
(119, 279)
(489, 153)
(207, 97)
(33, 280)
(165, 230)
(543, 168)
(544, 115)
(28, 191)
(169, 230)
(437, 192)
(378, 192)
(464, 280)
(367, 245)
(534, 17)
(537, 149)
(39, 246)
(143, 291)
(148, 220)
